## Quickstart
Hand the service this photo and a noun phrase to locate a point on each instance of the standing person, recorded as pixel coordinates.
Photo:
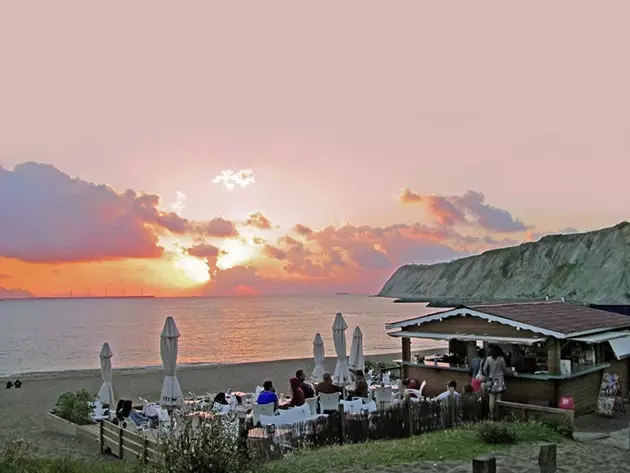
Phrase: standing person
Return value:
(476, 367)
(307, 389)
(494, 370)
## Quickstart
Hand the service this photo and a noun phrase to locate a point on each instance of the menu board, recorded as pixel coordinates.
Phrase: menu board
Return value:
(610, 398)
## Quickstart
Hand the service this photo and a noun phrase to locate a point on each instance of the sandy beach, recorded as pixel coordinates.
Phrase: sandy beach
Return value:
(23, 411)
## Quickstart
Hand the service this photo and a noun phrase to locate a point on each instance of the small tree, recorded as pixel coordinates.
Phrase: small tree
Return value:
(74, 407)
(210, 444)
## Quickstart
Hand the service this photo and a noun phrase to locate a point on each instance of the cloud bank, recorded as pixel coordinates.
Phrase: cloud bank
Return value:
(50, 217)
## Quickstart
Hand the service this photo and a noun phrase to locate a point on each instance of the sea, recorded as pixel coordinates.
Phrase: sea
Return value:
(51, 335)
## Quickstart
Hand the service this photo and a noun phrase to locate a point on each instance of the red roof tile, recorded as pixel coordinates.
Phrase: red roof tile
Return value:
(556, 316)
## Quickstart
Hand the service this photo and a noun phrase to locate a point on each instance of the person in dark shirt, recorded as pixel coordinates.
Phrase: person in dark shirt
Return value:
(297, 399)
(360, 386)
(9, 385)
(17, 384)
(307, 389)
(221, 399)
(327, 386)
(268, 396)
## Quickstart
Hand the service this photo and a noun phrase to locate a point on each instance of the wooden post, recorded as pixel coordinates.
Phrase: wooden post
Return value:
(342, 423)
(484, 465)
(553, 356)
(406, 356)
(408, 416)
(120, 442)
(471, 351)
(145, 450)
(100, 436)
(547, 461)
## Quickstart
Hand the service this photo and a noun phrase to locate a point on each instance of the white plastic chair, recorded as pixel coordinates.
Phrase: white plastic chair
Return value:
(259, 389)
(370, 406)
(386, 379)
(328, 402)
(383, 396)
(353, 406)
(261, 409)
(312, 402)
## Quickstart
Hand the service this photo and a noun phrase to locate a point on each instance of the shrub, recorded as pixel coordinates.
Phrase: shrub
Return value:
(74, 407)
(560, 425)
(211, 444)
(497, 433)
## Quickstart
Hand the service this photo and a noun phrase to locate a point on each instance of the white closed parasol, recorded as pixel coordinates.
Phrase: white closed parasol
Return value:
(171, 390)
(342, 375)
(319, 356)
(106, 393)
(357, 361)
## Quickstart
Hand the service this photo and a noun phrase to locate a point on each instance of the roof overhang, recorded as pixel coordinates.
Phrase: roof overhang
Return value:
(467, 337)
(621, 347)
(465, 311)
(601, 337)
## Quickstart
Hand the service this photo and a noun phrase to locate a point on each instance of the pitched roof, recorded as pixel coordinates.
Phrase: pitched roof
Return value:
(557, 319)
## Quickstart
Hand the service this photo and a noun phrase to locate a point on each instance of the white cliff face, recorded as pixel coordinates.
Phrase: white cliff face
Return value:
(591, 267)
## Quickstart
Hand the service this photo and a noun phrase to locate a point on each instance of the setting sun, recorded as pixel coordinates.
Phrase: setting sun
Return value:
(194, 270)
(235, 252)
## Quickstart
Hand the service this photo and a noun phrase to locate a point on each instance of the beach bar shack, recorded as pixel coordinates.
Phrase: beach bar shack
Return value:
(557, 349)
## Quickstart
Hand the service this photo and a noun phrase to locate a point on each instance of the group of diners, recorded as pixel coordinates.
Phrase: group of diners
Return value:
(301, 390)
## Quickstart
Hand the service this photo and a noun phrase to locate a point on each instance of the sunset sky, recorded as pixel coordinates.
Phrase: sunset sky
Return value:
(230, 148)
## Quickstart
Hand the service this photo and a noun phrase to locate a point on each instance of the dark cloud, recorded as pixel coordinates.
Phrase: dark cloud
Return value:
(48, 216)
(469, 209)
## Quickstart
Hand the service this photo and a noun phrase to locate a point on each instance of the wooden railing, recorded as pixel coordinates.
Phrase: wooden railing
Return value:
(118, 441)
(531, 411)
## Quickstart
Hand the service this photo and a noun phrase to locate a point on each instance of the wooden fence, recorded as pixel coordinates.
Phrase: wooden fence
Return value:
(527, 412)
(119, 442)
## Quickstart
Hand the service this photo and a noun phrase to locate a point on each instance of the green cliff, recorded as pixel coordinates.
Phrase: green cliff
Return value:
(591, 267)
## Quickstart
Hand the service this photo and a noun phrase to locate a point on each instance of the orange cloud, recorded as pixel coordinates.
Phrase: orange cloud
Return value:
(258, 220)
(108, 241)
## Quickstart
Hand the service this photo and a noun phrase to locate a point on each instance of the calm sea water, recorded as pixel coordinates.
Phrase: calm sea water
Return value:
(66, 334)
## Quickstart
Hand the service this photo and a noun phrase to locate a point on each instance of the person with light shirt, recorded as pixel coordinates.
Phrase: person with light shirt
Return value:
(450, 391)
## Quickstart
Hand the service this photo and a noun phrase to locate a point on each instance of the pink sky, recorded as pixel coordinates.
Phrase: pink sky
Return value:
(336, 109)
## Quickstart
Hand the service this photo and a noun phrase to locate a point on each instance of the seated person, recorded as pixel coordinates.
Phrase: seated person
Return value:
(411, 383)
(9, 385)
(268, 395)
(307, 389)
(220, 398)
(127, 411)
(17, 384)
(327, 386)
(360, 386)
(297, 398)
(450, 391)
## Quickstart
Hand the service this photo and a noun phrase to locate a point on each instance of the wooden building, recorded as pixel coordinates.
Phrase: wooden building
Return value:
(557, 349)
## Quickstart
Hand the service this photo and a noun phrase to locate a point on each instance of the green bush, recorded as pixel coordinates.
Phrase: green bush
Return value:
(497, 433)
(74, 407)
(203, 445)
(560, 425)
